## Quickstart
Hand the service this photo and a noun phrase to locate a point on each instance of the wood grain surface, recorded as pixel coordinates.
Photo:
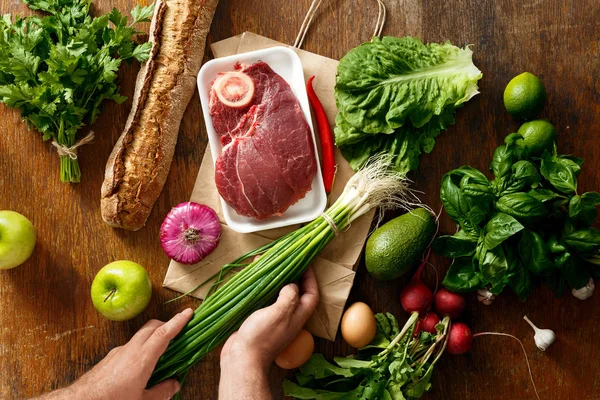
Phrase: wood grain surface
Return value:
(50, 333)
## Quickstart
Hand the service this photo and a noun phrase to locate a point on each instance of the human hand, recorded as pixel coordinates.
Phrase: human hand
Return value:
(124, 372)
(248, 353)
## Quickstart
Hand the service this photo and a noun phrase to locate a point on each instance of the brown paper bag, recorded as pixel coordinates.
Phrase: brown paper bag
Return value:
(334, 268)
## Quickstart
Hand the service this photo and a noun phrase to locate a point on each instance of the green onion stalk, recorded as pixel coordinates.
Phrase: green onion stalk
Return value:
(282, 261)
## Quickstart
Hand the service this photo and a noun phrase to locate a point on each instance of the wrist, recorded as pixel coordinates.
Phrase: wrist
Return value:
(246, 363)
(241, 355)
(245, 377)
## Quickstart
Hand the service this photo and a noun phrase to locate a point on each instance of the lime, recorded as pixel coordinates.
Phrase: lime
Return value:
(524, 96)
(538, 135)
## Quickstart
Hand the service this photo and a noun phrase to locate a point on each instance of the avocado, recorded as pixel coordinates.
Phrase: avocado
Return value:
(395, 247)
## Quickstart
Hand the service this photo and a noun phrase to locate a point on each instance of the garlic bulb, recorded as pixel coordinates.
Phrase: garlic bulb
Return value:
(485, 296)
(585, 292)
(543, 337)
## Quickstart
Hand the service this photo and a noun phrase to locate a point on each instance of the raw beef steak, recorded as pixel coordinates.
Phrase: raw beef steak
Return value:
(268, 160)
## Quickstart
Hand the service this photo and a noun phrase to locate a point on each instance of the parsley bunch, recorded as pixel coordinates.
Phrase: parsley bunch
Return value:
(59, 68)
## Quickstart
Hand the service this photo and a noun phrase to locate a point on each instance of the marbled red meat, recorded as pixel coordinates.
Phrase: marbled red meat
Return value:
(268, 160)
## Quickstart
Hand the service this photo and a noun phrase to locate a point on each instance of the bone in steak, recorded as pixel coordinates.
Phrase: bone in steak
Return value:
(268, 160)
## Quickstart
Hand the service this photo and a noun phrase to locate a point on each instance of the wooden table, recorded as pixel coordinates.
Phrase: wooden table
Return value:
(50, 333)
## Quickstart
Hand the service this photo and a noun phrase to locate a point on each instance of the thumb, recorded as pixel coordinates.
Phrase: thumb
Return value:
(164, 390)
(288, 299)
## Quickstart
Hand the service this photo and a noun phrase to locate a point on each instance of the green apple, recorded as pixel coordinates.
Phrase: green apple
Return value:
(121, 290)
(17, 239)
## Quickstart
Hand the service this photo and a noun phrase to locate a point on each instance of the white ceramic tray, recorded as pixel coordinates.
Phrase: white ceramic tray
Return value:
(287, 64)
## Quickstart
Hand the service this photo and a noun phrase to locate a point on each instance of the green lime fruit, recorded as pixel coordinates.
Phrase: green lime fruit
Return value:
(524, 96)
(538, 135)
(121, 290)
(17, 239)
(395, 247)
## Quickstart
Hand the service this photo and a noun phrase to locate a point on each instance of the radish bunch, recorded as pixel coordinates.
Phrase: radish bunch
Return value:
(418, 297)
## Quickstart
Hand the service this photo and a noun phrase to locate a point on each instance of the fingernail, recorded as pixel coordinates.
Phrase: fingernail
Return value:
(187, 312)
(177, 387)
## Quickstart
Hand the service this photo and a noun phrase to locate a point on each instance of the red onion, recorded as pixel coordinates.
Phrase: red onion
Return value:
(190, 232)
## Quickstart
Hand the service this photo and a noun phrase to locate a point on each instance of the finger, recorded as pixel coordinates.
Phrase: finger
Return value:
(144, 333)
(309, 299)
(164, 390)
(309, 282)
(159, 340)
(287, 300)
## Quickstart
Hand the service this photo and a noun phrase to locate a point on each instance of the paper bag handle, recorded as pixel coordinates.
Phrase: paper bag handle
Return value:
(314, 6)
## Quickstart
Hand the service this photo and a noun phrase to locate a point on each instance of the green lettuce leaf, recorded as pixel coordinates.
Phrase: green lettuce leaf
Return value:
(406, 144)
(395, 95)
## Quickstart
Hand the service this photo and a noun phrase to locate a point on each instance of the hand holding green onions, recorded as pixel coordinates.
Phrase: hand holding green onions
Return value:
(249, 353)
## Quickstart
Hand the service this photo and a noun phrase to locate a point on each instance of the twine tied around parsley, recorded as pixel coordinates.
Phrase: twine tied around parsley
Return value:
(71, 152)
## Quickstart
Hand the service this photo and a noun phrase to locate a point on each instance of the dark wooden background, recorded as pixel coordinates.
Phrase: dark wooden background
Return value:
(50, 333)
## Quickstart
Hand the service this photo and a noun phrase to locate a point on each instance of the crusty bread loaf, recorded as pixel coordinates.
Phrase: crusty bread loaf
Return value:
(138, 166)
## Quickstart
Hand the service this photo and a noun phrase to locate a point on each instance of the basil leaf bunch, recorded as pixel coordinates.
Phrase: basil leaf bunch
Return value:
(395, 365)
(529, 224)
(59, 68)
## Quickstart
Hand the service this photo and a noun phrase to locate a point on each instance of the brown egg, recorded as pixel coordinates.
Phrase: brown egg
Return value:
(358, 325)
(298, 352)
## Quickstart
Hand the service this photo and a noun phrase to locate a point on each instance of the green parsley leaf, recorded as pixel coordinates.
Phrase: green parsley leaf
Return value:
(142, 14)
(58, 69)
(142, 52)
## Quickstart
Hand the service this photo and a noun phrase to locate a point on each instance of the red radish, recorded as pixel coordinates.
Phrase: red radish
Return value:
(417, 296)
(429, 322)
(460, 339)
(450, 304)
(417, 329)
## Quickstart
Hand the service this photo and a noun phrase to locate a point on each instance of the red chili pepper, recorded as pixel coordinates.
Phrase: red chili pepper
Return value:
(325, 135)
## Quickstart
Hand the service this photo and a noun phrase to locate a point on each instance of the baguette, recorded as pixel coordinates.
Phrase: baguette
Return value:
(139, 164)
